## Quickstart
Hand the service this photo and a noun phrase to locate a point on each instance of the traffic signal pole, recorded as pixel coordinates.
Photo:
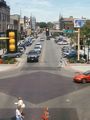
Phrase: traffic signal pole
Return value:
(78, 44)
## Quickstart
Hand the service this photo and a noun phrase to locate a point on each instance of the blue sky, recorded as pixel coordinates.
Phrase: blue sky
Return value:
(49, 10)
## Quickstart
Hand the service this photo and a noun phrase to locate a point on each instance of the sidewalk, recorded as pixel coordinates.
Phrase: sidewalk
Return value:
(6, 67)
(78, 67)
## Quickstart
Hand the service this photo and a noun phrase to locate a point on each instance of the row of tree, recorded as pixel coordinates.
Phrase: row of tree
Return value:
(44, 24)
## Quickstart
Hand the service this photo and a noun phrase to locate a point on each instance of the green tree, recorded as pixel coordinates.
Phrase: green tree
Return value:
(42, 24)
(50, 25)
(85, 31)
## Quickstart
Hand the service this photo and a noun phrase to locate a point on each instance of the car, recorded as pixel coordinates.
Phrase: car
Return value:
(82, 77)
(11, 55)
(21, 49)
(38, 45)
(37, 49)
(41, 39)
(32, 56)
(72, 54)
(69, 53)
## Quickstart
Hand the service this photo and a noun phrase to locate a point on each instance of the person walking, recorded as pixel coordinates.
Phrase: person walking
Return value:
(45, 115)
(20, 104)
(19, 116)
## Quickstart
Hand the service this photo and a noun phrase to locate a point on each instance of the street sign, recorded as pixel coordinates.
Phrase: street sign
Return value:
(4, 38)
(68, 31)
(78, 23)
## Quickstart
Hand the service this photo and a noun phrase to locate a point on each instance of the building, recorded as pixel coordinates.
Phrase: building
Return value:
(33, 23)
(68, 23)
(4, 16)
(14, 22)
(56, 25)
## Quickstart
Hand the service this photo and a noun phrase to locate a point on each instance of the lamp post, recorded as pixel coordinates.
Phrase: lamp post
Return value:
(78, 44)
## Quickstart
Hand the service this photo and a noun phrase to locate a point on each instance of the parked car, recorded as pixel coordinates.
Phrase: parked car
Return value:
(32, 56)
(82, 77)
(22, 45)
(11, 55)
(72, 53)
(21, 49)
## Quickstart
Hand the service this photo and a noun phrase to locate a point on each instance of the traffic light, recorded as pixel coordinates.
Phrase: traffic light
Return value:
(12, 41)
(47, 32)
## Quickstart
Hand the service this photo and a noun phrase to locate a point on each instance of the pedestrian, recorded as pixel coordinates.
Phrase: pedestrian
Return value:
(45, 115)
(20, 104)
(19, 116)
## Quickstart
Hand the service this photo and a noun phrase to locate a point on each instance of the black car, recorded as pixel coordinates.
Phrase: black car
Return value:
(32, 56)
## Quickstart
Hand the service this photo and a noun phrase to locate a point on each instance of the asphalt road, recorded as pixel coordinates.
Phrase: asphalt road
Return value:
(44, 84)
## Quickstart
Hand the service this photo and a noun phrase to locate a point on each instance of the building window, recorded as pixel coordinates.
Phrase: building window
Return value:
(8, 18)
(0, 16)
(0, 26)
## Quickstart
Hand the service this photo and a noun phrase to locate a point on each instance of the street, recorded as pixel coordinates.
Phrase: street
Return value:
(42, 84)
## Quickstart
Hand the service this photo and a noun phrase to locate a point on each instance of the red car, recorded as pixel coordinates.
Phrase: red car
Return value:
(82, 77)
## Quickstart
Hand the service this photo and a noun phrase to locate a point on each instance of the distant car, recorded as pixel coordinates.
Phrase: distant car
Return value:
(38, 45)
(32, 56)
(37, 49)
(82, 77)
(62, 43)
(41, 39)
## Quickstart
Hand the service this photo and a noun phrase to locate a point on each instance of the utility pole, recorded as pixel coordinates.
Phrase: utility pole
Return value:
(78, 44)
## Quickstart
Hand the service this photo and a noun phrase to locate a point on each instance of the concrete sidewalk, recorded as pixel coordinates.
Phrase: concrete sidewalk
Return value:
(6, 67)
(78, 67)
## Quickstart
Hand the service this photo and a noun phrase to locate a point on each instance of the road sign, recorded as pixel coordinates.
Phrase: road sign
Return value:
(78, 23)
(68, 31)
(4, 38)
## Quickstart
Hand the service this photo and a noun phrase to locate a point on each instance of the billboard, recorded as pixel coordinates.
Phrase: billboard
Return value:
(78, 23)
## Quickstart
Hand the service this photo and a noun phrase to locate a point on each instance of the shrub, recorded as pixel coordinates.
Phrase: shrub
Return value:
(72, 60)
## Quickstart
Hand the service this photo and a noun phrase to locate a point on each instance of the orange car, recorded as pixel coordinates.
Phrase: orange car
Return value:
(82, 77)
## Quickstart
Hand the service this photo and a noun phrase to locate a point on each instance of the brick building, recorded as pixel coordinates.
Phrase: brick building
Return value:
(4, 16)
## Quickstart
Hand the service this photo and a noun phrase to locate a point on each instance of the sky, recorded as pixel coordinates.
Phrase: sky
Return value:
(49, 10)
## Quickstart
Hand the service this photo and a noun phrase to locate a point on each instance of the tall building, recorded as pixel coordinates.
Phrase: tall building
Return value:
(4, 16)
(33, 23)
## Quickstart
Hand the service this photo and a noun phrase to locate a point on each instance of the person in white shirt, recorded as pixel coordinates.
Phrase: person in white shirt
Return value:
(20, 104)
(18, 114)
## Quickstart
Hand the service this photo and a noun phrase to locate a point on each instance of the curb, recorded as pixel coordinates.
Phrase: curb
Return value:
(9, 66)
(79, 67)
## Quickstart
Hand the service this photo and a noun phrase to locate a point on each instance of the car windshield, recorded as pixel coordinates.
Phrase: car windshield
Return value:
(37, 48)
(32, 53)
(44, 59)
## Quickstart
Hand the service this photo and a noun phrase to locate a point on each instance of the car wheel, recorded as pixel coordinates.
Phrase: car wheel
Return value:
(83, 81)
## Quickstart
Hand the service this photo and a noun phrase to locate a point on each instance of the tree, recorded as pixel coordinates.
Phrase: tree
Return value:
(50, 25)
(85, 31)
(42, 24)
